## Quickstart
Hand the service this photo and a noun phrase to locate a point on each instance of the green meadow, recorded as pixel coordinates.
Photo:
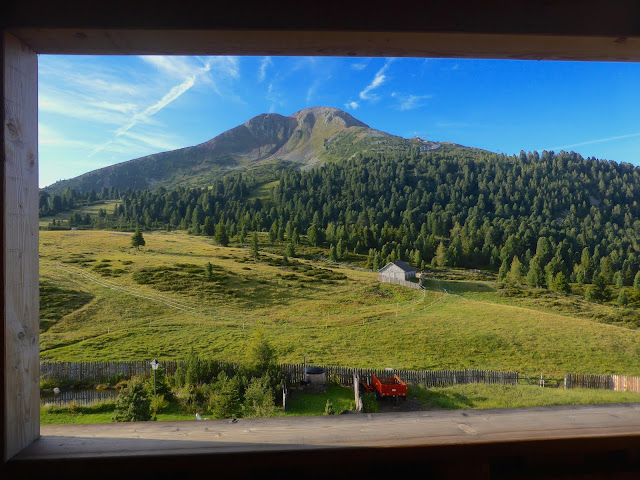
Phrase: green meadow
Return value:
(104, 300)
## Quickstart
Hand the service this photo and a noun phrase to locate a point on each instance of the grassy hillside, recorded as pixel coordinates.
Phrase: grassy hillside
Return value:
(115, 302)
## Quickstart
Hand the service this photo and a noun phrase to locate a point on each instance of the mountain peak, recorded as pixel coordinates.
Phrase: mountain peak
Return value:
(330, 115)
(308, 137)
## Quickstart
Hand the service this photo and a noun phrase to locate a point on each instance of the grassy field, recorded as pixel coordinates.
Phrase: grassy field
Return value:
(105, 300)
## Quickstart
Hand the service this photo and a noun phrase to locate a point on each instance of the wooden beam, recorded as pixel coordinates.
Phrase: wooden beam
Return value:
(334, 43)
(360, 440)
(613, 18)
(21, 409)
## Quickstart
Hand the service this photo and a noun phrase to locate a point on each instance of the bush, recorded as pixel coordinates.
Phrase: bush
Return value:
(189, 398)
(369, 403)
(258, 399)
(158, 403)
(225, 397)
(328, 409)
(133, 403)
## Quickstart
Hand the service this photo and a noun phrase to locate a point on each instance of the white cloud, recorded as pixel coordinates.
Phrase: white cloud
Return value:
(156, 141)
(191, 71)
(378, 79)
(359, 66)
(262, 70)
(410, 102)
(589, 142)
(351, 105)
(51, 137)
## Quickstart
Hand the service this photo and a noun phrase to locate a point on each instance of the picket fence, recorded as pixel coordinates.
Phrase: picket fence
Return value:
(100, 371)
(619, 383)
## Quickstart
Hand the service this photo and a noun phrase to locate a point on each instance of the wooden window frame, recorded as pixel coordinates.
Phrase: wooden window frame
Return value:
(555, 29)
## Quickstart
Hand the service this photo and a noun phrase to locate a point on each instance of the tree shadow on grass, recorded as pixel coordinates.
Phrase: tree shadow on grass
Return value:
(433, 399)
(458, 287)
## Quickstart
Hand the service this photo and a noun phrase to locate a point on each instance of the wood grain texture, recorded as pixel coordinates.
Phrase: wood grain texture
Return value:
(333, 43)
(419, 429)
(20, 254)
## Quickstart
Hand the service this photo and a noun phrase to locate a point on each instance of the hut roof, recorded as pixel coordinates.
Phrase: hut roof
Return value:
(400, 264)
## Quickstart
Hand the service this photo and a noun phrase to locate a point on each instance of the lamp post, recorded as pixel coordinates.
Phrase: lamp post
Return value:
(154, 365)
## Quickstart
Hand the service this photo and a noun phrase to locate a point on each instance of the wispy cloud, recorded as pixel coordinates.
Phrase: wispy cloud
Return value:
(410, 101)
(262, 70)
(378, 79)
(50, 137)
(351, 105)
(191, 71)
(597, 140)
(358, 66)
(274, 97)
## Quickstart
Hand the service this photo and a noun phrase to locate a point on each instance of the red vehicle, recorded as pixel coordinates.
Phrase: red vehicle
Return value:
(387, 387)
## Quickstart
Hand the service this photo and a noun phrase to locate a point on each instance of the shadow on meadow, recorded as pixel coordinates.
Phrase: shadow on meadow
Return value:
(433, 399)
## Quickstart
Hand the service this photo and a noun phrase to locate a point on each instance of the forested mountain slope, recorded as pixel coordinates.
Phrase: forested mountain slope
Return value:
(543, 219)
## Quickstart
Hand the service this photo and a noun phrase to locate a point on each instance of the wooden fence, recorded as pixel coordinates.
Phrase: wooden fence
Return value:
(619, 383)
(429, 378)
(398, 281)
(96, 371)
(622, 383)
(88, 371)
(81, 397)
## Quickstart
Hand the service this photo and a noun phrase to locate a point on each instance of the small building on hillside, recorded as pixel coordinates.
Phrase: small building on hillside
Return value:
(398, 270)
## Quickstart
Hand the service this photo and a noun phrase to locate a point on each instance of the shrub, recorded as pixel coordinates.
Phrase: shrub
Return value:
(133, 403)
(369, 403)
(328, 409)
(259, 399)
(158, 403)
(225, 398)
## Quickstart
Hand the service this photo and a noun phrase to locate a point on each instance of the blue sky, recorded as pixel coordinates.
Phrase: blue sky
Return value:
(95, 111)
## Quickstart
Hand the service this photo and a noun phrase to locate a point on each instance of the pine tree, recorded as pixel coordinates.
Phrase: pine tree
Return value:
(312, 235)
(133, 404)
(333, 256)
(291, 251)
(441, 257)
(504, 270)
(535, 275)
(254, 246)
(221, 236)
(515, 272)
(561, 284)
(622, 298)
(137, 240)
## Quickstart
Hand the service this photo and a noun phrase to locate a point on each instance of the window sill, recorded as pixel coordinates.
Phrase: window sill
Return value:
(353, 441)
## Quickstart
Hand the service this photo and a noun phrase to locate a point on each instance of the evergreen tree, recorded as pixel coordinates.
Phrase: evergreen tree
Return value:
(622, 298)
(442, 255)
(137, 240)
(312, 235)
(290, 251)
(504, 270)
(254, 246)
(133, 403)
(561, 284)
(535, 275)
(221, 236)
(224, 400)
(636, 282)
(333, 256)
(515, 272)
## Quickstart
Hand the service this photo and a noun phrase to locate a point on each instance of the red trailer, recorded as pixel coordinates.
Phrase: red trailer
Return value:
(387, 387)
